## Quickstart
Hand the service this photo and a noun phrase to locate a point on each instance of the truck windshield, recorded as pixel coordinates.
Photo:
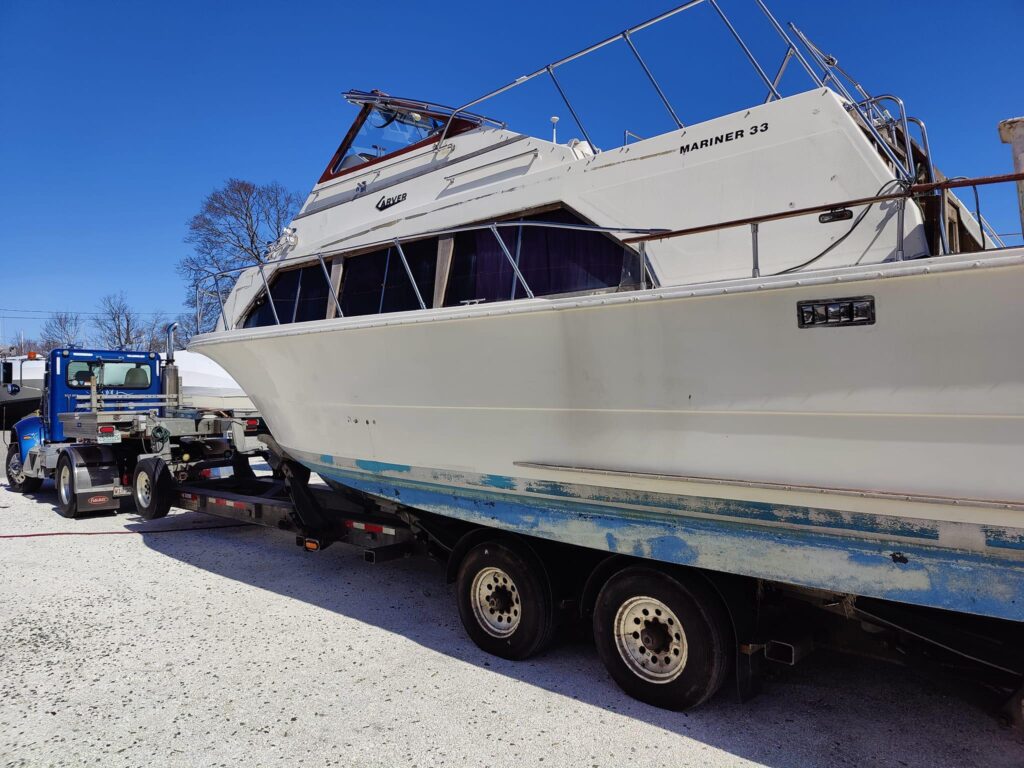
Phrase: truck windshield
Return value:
(108, 375)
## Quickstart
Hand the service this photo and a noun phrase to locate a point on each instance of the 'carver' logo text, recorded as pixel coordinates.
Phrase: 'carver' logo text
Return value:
(386, 202)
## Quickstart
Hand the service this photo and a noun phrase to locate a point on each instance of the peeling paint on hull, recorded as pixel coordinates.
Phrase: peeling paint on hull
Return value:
(802, 546)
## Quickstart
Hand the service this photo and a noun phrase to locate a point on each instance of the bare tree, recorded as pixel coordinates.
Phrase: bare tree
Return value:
(187, 328)
(155, 332)
(19, 345)
(117, 326)
(235, 225)
(62, 329)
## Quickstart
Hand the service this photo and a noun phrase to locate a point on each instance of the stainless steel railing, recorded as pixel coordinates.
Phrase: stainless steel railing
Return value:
(826, 72)
(640, 237)
(907, 192)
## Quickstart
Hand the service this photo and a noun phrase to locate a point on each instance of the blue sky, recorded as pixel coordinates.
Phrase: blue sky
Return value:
(116, 119)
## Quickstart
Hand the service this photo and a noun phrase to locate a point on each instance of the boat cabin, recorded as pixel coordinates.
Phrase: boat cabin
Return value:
(424, 207)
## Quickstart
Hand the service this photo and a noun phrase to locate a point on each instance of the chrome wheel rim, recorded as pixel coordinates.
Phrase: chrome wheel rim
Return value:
(64, 484)
(496, 602)
(650, 639)
(143, 490)
(15, 470)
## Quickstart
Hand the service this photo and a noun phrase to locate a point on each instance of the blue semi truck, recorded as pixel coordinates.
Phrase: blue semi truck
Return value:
(113, 429)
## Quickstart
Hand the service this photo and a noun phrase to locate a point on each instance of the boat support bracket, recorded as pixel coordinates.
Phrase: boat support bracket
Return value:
(315, 531)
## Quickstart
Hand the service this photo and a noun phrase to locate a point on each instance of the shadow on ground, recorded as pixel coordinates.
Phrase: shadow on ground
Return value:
(830, 710)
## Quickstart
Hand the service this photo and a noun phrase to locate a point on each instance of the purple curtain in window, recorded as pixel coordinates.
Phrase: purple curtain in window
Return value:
(552, 261)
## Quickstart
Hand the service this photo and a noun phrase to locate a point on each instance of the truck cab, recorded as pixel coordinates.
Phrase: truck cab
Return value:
(77, 378)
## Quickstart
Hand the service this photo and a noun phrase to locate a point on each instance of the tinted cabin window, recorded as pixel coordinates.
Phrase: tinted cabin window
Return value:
(553, 261)
(480, 270)
(361, 284)
(399, 295)
(377, 282)
(311, 296)
(299, 295)
(566, 260)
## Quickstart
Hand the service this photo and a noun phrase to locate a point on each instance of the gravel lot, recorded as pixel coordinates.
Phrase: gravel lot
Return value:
(175, 643)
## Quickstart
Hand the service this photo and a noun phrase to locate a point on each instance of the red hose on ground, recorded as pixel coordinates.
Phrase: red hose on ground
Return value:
(118, 533)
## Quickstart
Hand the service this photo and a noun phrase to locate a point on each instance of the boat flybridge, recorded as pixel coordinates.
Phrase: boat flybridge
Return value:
(772, 343)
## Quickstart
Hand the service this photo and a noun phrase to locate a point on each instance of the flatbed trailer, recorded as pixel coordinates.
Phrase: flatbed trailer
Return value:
(380, 531)
(764, 623)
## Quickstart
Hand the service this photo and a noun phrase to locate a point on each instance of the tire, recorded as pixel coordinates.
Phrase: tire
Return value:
(152, 489)
(16, 478)
(665, 641)
(64, 479)
(504, 600)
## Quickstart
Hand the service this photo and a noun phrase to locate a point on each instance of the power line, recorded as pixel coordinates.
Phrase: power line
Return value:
(42, 314)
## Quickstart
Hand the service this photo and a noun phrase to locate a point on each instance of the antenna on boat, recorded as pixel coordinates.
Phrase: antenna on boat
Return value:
(554, 129)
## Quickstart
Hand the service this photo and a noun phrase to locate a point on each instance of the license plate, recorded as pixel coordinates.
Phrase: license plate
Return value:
(114, 438)
(121, 490)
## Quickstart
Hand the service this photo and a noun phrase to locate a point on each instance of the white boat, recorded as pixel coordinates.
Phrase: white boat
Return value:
(763, 344)
(207, 386)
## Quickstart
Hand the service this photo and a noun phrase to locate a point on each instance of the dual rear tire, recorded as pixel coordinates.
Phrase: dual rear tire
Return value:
(64, 479)
(665, 639)
(504, 600)
(152, 488)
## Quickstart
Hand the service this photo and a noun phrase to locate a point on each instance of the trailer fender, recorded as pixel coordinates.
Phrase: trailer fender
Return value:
(737, 593)
(96, 473)
(477, 535)
(27, 433)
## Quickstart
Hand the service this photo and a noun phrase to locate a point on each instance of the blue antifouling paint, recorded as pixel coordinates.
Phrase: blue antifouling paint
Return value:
(979, 583)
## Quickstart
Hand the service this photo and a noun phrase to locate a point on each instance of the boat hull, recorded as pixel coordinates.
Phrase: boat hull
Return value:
(904, 559)
(709, 392)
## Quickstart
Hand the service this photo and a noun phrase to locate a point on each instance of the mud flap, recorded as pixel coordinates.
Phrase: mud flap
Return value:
(96, 476)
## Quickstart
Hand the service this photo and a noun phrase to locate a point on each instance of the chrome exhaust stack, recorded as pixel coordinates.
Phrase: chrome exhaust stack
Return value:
(171, 384)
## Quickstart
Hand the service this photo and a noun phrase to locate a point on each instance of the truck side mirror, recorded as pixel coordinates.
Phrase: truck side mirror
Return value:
(12, 389)
(7, 375)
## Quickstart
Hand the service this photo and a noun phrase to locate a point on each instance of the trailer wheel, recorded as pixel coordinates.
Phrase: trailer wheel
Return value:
(16, 478)
(665, 641)
(504, 600)
(64, 479)
(152, 489)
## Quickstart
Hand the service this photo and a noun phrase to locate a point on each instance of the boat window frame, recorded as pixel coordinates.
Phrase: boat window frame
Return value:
(459, 125)
(530, 214)
(263, 296)
(337, 267)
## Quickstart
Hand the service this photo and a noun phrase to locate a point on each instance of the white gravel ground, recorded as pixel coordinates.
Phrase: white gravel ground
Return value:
(233, 647)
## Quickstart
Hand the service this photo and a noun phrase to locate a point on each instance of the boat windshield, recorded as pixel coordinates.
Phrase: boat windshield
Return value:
(384, 131)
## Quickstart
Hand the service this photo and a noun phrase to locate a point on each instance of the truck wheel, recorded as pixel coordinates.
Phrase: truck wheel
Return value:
(16, 478)
(663, 640)
(504, 600)
(64, 479)
(151, 489)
